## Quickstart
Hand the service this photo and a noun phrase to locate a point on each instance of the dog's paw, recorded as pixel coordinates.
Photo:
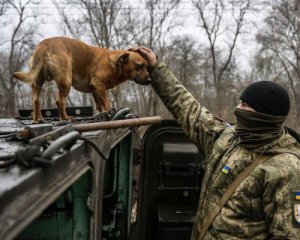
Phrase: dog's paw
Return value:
(39, 121)
(67, 119)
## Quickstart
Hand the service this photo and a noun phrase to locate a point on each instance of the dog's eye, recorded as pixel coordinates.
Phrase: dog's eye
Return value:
(139, 67)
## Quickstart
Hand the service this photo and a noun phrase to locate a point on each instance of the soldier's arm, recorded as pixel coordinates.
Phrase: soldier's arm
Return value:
(198, 123)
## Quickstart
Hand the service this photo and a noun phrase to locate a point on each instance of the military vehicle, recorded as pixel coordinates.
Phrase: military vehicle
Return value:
(96, 178)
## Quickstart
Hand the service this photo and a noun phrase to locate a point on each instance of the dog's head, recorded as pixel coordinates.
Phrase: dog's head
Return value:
(134, 67)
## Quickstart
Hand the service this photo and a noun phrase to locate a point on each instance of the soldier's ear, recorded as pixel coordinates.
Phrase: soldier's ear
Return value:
(124, 58)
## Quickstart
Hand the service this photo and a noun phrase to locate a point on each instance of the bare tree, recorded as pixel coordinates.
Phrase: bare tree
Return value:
(207, 90)
(97, 20)
(3, 8)
(279, 54)
(152, 29)
(184, 56)
(217, 18)
(19, 47)
(3, 5)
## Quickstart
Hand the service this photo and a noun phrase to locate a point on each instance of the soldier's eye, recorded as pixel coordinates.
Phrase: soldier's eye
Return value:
(139, 67)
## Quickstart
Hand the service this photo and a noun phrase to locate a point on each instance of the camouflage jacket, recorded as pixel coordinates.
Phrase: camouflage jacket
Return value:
(267, 203)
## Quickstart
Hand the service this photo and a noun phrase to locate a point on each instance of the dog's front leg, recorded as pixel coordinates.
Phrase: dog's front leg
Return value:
(100, 96)
(97, 102)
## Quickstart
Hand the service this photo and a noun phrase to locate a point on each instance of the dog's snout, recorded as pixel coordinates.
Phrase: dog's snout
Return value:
(145, 81)
(148, 80)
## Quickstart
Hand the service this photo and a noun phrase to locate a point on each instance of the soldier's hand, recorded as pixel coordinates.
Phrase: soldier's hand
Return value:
(147, 53)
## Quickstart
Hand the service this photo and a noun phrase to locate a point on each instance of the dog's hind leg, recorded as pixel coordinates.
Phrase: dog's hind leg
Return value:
(36, 93)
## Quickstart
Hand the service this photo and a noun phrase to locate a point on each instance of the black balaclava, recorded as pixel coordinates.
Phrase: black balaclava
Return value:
(271, 103)
(267, 97)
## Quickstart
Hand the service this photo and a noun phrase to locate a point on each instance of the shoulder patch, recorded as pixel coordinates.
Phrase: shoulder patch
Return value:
(296, 195)
(296, 207)
(297, 213)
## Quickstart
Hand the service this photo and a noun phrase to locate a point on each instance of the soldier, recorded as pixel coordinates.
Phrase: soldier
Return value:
(265, 202)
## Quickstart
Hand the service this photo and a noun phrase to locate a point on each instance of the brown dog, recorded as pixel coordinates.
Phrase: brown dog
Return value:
(87, 68)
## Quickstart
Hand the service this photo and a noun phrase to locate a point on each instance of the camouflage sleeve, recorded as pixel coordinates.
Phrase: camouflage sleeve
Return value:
(280, 196)
(199, 124)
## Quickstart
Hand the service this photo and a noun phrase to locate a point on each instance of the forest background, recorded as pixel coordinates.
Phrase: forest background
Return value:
(214, 47)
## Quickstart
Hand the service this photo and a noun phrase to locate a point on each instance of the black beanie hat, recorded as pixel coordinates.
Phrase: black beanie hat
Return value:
(267, 97)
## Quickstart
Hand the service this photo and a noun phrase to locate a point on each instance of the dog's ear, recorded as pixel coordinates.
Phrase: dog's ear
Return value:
(124, 58)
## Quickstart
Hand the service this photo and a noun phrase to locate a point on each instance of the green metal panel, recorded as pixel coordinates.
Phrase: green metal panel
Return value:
(125, 184)
(48, 226)
(80, 191)
(117, 189)
(45, 227)
(67, 218)
(64, 226)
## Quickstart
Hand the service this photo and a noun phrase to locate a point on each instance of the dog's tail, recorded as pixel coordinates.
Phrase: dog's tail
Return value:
(28, 77)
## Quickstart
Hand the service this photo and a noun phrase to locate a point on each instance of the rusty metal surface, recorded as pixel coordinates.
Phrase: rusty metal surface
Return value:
(117, 124)
(25, 193)
(28, 132)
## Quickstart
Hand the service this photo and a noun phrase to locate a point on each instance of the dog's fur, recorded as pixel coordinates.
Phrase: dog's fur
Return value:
(87, 68)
